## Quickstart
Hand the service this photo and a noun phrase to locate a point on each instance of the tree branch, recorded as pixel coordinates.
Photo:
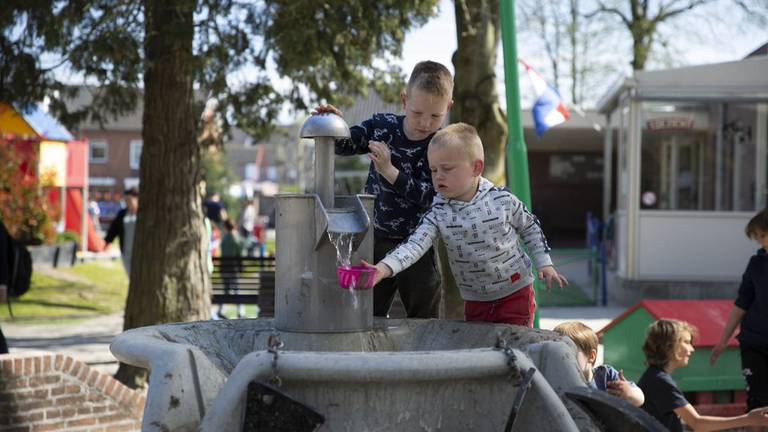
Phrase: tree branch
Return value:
(602, 8)
(663, 14)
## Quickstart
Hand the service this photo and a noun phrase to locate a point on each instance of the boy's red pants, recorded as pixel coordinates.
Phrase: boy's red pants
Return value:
(516, 308)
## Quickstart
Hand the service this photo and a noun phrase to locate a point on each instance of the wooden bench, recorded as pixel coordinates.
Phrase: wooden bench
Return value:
(254, 277)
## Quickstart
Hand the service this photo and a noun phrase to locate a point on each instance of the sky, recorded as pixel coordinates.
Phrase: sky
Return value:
(436, 41)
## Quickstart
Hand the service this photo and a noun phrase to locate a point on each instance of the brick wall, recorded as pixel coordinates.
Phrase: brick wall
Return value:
(54, 392)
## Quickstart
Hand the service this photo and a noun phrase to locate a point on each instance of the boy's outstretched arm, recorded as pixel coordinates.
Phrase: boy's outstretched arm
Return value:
(382, 271)
(405, 255)
(691, 417)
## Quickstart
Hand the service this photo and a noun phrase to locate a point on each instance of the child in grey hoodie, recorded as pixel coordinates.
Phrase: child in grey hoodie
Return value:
(480, 225)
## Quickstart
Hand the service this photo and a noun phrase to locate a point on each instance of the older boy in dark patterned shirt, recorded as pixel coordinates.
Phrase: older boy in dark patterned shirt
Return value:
(400, 178)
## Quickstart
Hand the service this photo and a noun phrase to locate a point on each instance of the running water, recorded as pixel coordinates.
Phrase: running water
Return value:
(343, 244)
(342, 241)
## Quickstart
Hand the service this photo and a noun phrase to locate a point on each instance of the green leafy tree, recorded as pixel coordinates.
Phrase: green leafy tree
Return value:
(160, 51)
(24, 209)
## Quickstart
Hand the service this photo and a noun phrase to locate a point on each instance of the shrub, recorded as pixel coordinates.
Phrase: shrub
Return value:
(67, 236)
(24, 209)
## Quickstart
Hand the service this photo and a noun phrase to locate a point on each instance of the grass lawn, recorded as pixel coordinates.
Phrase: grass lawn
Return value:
(83, 291)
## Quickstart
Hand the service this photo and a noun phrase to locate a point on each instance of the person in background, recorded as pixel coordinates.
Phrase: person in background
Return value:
(231, 266)
(3, 299)
(603, 377)
(94, 211)
(6, 266)
(668, 346)
(248, 224)
(751, 311)
(214, 209)
(123, 227)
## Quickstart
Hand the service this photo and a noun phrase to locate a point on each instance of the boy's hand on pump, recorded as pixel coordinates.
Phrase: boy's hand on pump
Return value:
(327, 108)
(549, 274)
(382, 271)
(382, 160)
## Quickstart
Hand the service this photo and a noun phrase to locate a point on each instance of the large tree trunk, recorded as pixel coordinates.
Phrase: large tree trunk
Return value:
(476, 101)
(169, 277)
(476, 98)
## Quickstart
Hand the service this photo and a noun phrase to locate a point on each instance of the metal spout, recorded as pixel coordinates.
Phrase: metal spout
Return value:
(350, 217)
(325, 129)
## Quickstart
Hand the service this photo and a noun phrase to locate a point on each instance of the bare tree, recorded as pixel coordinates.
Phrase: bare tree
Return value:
(643, 20)
(548, 22)
(573, 29)
(567, 38)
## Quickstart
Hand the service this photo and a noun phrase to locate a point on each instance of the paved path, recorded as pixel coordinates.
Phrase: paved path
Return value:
(86, 340)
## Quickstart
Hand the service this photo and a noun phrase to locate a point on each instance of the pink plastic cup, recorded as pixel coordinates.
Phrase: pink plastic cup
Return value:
(356, 277)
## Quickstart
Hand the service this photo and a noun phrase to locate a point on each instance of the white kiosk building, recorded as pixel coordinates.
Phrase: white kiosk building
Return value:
(689, 147)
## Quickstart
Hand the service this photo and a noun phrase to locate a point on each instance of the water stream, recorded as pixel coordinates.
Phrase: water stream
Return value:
(342, 241)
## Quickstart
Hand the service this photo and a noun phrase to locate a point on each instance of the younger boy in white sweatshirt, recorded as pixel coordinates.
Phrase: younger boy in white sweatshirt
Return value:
(480, 225)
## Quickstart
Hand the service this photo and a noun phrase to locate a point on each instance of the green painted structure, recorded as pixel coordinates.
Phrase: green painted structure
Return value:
(517, 176)
(623, 341)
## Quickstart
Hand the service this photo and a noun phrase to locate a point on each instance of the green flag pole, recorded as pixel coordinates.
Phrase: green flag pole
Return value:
(517, 154)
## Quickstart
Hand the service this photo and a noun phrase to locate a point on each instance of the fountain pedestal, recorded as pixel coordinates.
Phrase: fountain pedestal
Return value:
(307, 293)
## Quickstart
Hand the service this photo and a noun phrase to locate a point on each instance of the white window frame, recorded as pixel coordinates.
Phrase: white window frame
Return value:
(102, 144)
(134, 155)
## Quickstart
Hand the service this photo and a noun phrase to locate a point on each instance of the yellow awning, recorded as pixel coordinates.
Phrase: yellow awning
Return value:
(11, 122)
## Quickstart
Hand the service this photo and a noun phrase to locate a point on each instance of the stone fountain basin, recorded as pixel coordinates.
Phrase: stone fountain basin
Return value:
(402, 375)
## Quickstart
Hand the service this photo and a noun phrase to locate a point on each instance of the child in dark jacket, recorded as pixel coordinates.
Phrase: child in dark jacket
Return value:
(751, 311)
(400, 179)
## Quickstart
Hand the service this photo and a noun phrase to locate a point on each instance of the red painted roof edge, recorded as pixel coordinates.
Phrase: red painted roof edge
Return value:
(648, 306)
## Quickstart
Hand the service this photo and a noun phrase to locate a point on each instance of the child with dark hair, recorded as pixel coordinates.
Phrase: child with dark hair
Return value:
(751, 311)
(123, 227)
(668, 347)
